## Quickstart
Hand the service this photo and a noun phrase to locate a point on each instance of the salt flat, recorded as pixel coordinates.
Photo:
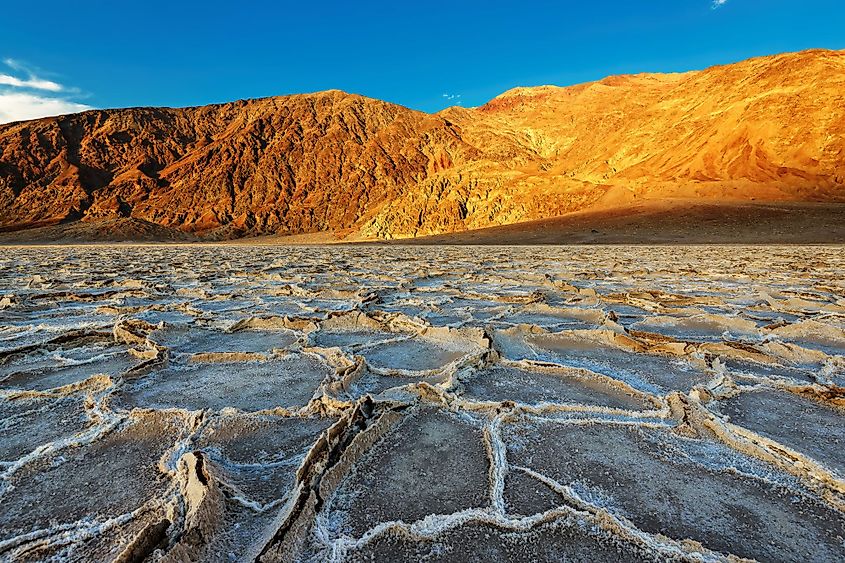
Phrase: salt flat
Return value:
(217, 403)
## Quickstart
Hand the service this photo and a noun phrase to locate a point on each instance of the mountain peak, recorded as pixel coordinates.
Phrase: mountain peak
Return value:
(769, 128)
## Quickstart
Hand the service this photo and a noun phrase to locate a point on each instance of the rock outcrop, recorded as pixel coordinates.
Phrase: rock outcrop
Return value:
(771, 128)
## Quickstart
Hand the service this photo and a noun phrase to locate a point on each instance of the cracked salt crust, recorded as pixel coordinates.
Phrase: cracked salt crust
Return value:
(234, 403)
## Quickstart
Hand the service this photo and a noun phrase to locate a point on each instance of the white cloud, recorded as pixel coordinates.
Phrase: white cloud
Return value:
(13, 64)
(453, 99)
(35, 83)
(717, 3)
(26, 97)
(19, 106)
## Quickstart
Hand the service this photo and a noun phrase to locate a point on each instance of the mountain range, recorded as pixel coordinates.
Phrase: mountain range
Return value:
(769, 129)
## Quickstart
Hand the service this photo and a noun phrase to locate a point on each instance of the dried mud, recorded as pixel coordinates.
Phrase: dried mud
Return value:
(438, 403)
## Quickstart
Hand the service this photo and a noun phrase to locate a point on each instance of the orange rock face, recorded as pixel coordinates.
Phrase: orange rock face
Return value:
(771, 128)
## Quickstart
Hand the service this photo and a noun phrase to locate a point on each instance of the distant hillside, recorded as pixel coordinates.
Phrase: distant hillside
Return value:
(766, 129)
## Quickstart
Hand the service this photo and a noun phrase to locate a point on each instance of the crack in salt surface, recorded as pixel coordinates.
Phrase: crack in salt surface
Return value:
(293, 385)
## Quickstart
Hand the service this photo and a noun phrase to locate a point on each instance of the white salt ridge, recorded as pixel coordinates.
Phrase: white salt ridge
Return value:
(684, 347)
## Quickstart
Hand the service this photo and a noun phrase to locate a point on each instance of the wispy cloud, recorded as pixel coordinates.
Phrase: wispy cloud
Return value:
(36, 83)
(25, 95)
(453, 98)
(718, 3)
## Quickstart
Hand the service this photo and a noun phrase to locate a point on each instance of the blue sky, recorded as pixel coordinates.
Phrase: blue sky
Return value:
(64, 56)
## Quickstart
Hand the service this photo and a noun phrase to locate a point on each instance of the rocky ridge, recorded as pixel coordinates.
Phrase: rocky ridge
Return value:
(769, 129)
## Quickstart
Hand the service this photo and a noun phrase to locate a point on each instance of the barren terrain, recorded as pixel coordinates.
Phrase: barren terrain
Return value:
(219, 403)
(670, 222)
(769, 129)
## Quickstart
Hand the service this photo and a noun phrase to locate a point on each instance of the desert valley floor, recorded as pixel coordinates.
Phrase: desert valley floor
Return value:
(230, 403)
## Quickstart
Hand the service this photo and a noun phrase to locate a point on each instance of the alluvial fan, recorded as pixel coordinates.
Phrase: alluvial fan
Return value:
(441, 403)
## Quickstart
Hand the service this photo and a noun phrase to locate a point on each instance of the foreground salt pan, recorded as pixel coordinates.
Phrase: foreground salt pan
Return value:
(451, 404)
